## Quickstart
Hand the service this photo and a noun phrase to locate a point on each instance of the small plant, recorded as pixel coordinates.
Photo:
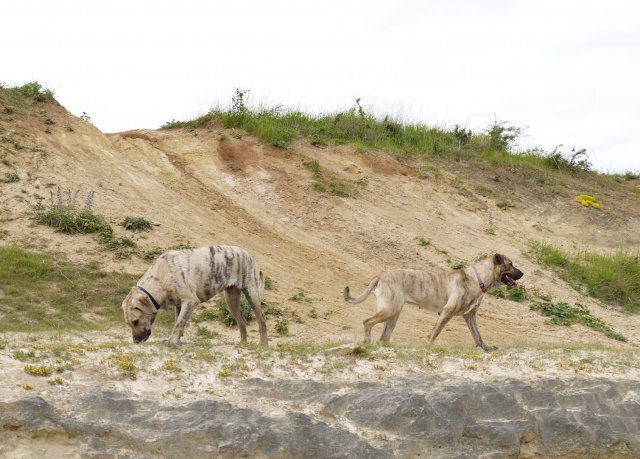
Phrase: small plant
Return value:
(38, 370)
(152, 254)
(268, 283)
(12, 177)
(234, 166)
(423, 242)
(300, 296)
(137, 224)
(203, 332)
(587, 201)
(517, 294)
(502, 135)
(67, 217)
(126, 364)
(282, 326)
(170, 365)
(224, 373)
(85, 117)
(55, 381)
(313, 313)
(459, 265)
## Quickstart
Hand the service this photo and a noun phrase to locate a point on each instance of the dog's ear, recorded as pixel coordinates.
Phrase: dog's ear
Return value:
(144, 301)
(498, 259)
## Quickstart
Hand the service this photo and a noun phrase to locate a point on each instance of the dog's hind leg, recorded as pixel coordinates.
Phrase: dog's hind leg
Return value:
(232, 296)
(254, 300)
(473, 327)
(388, 328)
(383, 315)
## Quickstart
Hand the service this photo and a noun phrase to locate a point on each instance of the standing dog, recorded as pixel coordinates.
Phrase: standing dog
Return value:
(455, 293)
(186, 278)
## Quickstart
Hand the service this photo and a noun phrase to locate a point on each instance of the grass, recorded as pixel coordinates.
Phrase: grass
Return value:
(369, 130)
(563, 314)
(613, 278)
(40, 293)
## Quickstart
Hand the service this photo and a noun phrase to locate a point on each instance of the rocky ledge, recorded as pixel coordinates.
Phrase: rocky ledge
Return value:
(404, 417)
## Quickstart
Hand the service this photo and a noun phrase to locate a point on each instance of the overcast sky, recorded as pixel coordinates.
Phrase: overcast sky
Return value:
(566, 70)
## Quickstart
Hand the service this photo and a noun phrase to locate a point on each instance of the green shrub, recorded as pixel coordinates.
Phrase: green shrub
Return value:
(66, 216)
(137, 224)
(563, 314)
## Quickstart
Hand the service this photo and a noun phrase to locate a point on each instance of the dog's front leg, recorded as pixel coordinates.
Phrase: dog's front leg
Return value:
(444, 317)
(470, 318)
(186, 308)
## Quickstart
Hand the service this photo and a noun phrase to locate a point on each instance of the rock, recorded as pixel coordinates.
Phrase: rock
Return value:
(404, 417)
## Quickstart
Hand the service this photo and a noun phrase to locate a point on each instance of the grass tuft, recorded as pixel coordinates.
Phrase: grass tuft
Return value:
(613, 278)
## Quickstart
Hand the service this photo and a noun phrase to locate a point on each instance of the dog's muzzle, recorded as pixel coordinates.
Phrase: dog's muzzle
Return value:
(511, 277)
(138, 338)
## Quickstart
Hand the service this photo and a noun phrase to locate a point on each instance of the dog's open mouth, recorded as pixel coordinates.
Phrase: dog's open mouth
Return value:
(507, 279)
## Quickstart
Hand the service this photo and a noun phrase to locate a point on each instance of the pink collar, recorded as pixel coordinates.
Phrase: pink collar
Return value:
(482, 287)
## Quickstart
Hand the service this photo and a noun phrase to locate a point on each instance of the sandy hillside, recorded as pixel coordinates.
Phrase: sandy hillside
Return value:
(215, 186)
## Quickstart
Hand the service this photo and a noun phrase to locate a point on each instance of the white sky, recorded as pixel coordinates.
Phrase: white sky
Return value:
(569, 70)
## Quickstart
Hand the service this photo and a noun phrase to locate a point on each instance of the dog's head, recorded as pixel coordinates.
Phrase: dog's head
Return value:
(504, 270)
(139, 313)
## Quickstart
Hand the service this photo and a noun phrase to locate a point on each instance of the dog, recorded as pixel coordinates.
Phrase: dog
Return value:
(186, 278)
(455, 293)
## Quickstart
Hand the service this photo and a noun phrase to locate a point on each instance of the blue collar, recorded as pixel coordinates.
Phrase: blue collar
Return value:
(153, 300)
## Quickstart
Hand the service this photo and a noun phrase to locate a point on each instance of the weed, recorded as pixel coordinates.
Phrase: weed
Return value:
(12, 177)
(517, 294)
(152, 254)
(66, 216)
(203, 332)
(459, 265)
(268, 283)
(38, 370)
(423, 242)
(224, 373)
(136, 224)
(300, 296)
(170, 365)
(282, 326)
(587, 201)
(563, 314)
(126, 364)
(313, 313)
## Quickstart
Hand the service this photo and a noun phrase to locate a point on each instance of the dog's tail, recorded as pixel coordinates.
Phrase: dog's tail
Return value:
(365, 294)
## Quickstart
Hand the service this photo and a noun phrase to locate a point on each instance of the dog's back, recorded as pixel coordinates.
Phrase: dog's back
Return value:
(207, 270)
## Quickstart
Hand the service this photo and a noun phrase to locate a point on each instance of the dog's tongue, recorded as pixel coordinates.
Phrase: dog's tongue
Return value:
(511, 280)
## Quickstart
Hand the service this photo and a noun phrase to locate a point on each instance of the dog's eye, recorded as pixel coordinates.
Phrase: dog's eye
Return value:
(134, 323)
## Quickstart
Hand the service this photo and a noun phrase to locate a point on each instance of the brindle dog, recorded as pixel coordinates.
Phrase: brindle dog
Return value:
(455, 293)
(186, 278)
